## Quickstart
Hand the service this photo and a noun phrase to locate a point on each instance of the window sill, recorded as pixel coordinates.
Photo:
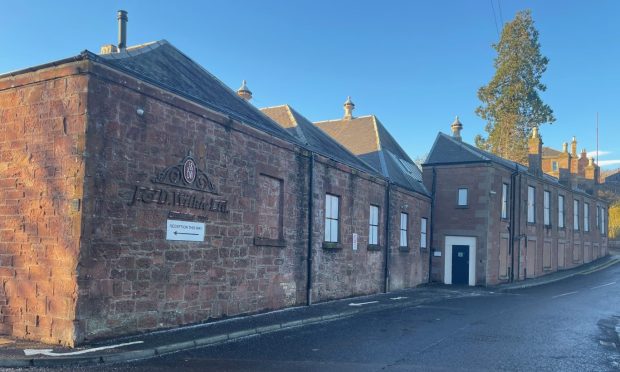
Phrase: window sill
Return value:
(373, 247)
(332, 245)
(462, 206)
(404, 249)
(269, 242)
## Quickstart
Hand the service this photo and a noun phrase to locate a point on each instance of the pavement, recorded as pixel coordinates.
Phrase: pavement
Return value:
(19, 353)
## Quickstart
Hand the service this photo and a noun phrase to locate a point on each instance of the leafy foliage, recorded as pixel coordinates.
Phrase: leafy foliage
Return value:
(614, 221)
(511, 104)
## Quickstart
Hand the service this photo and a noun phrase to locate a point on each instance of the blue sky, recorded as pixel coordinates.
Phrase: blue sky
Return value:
(413, 64)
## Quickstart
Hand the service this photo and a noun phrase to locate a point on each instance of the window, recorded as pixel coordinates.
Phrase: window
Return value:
(586, 217)
(554, 166)
(462, 197)
(531, 204)
(404, 218)
(576, 214)
(504, 200)
(332, 204)
(547, 205)
(373, 221)
(561, 217)
(269, 227)
(423, 229)
(598, 217)
(603, 221)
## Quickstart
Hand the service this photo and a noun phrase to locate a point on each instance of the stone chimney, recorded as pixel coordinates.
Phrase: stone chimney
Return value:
(121, 16)
(456, 127)
(582, 163)
(535, 153)
(574, 166)
(564, 158)
(244, 92)
(590, 170)
(122, 29)
(565, 177)
(349, 106)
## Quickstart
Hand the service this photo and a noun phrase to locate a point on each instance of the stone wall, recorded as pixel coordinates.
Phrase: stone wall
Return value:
(93, 176)
(42, 133)
(131, 277)
(539, 248)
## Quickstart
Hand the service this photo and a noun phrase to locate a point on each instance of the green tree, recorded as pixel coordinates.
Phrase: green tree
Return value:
(614, 221)
(511, 104)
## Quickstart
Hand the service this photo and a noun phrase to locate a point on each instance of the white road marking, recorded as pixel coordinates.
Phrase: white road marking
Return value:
(50, 352)
(564, 294)
(397, 298)
(604, 285)
(362, 303)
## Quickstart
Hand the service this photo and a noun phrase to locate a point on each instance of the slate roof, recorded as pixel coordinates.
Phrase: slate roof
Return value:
(314, 138)
(448, 150)
(613, 177)
(549, 152)
(163, 65)
(368, 138)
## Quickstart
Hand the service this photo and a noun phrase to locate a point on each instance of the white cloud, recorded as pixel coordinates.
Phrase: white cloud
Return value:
(605, 163)
(600, 153)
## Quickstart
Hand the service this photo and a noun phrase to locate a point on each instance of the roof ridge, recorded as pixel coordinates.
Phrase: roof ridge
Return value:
(465, 146)
(337, 120)
(377, 136)
(271, 107)
(298, 128)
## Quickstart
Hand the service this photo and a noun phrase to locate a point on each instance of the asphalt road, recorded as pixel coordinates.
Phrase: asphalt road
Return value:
(556, 327)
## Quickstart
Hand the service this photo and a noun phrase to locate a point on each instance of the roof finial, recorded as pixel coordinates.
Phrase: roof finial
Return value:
(244, 92)
(349, 106)
(456, 128)
(535, 132)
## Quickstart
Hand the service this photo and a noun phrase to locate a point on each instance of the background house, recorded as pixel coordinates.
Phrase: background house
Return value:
(497, 221)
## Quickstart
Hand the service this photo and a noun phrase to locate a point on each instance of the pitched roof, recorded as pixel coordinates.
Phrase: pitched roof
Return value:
(163, 65)
(448, 150)
(548, 151)
(314, 138)
(368, 138)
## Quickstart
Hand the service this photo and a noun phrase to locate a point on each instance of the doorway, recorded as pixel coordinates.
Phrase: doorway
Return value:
(460, 260)
(460, 264)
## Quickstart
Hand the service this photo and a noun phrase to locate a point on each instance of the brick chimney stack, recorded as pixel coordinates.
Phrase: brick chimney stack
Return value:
(535, 153)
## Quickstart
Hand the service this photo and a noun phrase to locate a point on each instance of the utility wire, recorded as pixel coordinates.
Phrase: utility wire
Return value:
(494, 18)
(501, 17)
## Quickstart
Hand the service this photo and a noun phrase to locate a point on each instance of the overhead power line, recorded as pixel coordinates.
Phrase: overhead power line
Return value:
(494, 18)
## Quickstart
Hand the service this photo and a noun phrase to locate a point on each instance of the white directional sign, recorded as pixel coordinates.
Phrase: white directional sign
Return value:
(185, 230)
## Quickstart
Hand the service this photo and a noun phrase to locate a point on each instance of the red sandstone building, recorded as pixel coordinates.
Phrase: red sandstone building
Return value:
(139, 192)
(496, 221)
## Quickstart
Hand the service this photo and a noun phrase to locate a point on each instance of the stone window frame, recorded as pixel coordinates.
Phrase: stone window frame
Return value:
(586, 217)
(376, 243)
(280, 241)
(575, 215)
(423, 233)
(328, 218)
(504, 201)
(458, 197)
(531, 205)
(547, 208)
(561, 211)
(603, 229)
(403, 229)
